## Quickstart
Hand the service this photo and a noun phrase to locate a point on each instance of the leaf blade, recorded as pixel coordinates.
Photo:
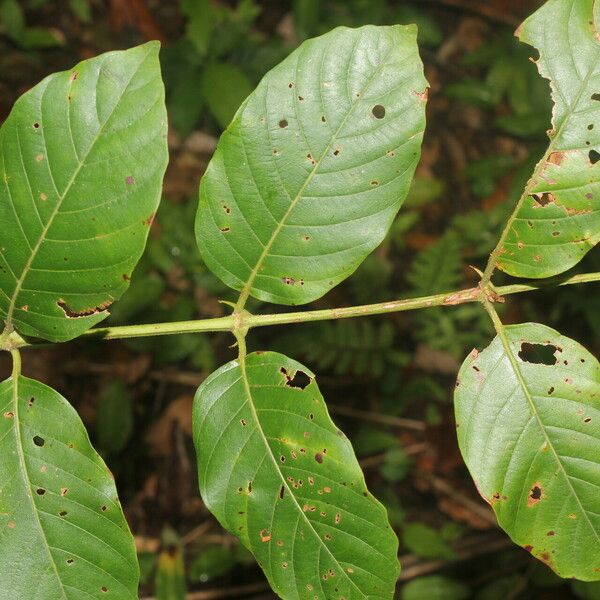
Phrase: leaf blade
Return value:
(558, 220)
(277, 473)
(82, 155)
(529, 431)
(61, 521)
(309, 175)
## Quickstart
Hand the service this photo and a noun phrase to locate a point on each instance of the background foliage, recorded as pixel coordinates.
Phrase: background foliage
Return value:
(388, 381)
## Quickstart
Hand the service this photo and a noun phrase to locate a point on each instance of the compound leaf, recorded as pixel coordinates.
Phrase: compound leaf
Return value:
(558, 219)
(309, 175)
(62, 531)
(82, 156)
(278, 473)
(528, 418)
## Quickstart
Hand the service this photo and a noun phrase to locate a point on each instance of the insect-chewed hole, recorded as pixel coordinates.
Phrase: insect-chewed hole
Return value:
(38, 441)
(283, 123)
(594, 156)
(538, 354)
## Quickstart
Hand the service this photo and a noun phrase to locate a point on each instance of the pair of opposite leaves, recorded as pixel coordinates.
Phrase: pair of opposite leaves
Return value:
(304, 184)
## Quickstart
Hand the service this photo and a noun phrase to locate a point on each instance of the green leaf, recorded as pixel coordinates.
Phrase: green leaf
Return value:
(82, 156)
(200, 22)
(212, 562)
(224, 88)
(425, 541)
(278, 474)
(62, 530)
(434, 587)
(528, 419)
(114, 420)
(558, 220)
(309, 175)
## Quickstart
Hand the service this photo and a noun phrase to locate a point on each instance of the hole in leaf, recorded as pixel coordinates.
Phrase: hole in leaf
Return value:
(596, 97)
(538, 354)
(594, 156)
(535, 495)
(590, 126)
(543, 199)
(38, 441)
(40, 491)
(283, 123)
(378, 111)
(300, 379)
(36, 125)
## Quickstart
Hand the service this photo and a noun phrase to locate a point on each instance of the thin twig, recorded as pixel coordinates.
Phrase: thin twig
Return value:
(479, 8)
(366, 415)
(479, 509)
(230, 592)
(475, 546)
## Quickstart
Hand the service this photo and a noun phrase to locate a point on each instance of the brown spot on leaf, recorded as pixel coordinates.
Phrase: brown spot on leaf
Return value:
(378, 111)
(556, 158)
(265, 535)
(86, 312)
(319, 457)
(535, 495)
(422, 96)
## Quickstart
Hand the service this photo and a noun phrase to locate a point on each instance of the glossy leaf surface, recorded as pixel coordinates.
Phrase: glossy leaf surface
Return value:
(528, 418)
(82, 156)
(62, 531)
(558, 221)
(309, 175)
(278, 473)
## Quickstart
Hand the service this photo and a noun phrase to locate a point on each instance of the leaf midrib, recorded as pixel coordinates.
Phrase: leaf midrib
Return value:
(242, 361)
(522, 383)
(56, 210)
(551, 147)
(245, 292)
(27, 481)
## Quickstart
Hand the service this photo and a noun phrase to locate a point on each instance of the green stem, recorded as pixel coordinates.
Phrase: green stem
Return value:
(16, 358)
(239, 321)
